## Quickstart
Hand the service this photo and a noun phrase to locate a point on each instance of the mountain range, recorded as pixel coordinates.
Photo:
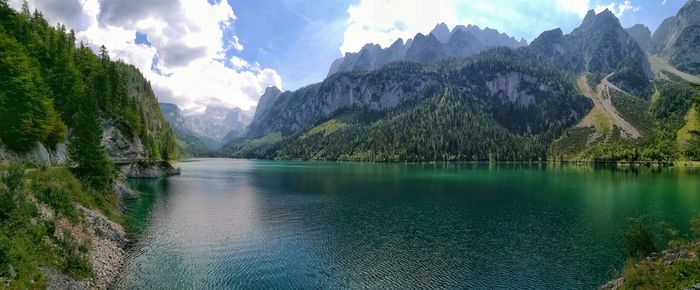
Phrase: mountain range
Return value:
(601, 93)
(208, 130)
(441, 43)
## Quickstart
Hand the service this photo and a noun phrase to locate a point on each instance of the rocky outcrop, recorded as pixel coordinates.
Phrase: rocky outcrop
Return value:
(124, 192)
(106, 254)
(39, 155)
(148, 170)
(642, 35)
(677, 40)
(59, 281)
(119, 147)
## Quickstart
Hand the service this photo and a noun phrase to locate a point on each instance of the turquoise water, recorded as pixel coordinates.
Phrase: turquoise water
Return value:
(266, 224)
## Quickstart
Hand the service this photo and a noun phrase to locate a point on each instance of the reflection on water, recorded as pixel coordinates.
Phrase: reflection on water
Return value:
(263, 224)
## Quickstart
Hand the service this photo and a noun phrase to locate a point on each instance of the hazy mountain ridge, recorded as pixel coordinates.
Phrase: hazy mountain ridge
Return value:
(207, 130)
(441, 43)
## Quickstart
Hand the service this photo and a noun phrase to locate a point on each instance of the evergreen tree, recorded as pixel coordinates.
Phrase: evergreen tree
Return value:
(27, 115)
(92, 164)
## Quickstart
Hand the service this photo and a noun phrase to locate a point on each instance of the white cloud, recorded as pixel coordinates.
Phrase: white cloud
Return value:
(384, 21)
(579, 7)
(190, 39)
(618, 9)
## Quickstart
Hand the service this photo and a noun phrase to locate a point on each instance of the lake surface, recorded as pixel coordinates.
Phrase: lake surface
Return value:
(265, 224)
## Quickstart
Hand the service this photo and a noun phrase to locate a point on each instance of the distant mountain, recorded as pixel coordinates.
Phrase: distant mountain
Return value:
(472, 94)
(642, 35)
(515, 98)
(441, 43)
(217, 122)
(677, 40)
(207, 130)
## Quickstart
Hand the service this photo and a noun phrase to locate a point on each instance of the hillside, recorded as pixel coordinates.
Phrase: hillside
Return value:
(53, 77)
(610, 102)
(73, 124)
(426, 112)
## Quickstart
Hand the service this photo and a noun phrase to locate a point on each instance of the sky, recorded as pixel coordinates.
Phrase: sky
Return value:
(199, 53)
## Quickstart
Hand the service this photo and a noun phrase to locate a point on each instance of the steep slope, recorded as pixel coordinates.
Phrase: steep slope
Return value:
(439, 44)
(677, 40)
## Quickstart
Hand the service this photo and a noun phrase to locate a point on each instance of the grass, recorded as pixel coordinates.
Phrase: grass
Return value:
(658, 273)
(692, 123)
(326, 128)
(61, 190)
(30, 241)
(265, 140)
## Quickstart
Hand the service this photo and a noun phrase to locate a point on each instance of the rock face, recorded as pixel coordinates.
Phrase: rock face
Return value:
(599, 46)
(439, 44)
(39, 155)
(118, 146)
(642, 35)
(487, 82)
(375, 91)
(677, 39)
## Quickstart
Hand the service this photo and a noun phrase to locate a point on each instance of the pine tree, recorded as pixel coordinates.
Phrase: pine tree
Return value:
(27, 115)
(92, 164)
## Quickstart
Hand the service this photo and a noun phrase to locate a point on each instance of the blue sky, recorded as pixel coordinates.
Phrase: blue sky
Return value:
(199, 53)
(300, 38)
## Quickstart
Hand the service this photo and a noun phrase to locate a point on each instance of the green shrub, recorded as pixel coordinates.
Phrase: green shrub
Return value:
(695, 226)
(638, 239)
(4, 255)
(14, 177)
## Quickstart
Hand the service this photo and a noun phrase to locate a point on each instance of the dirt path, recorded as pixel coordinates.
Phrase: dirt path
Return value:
(604, 116)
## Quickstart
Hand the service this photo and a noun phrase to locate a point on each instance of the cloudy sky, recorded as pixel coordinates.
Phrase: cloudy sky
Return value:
(226, 52)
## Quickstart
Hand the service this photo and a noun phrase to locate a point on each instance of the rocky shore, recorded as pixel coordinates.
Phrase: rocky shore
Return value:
(106, 254)
(659, 266)
(156, 169)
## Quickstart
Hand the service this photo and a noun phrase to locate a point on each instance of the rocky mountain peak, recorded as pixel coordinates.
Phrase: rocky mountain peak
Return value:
(641, 34)
(604, 20)
(441, 32)
(434, 46)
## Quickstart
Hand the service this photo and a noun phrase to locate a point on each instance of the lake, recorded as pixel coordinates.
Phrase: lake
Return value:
(228, 223)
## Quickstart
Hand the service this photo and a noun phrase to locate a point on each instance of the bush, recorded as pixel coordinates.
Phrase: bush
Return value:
(695, 226)
(4, 255)
(14, 177)
(638, 239)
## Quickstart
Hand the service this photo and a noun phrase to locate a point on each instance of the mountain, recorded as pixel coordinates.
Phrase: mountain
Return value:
(590, 95)
(189, 141)
(600, 47)
(677, 40)
(441, 43)
(517, 99)
(208, 130)
(642, 35)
